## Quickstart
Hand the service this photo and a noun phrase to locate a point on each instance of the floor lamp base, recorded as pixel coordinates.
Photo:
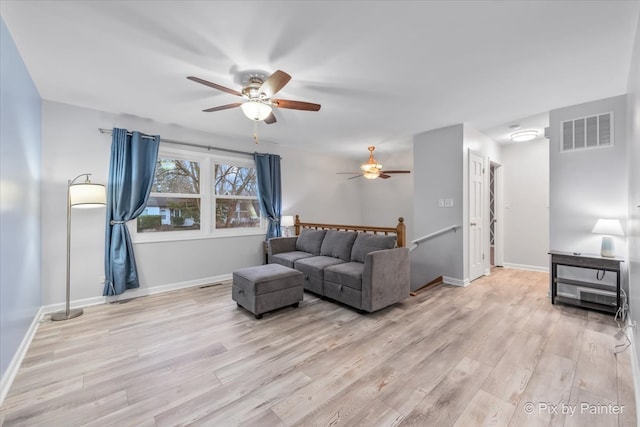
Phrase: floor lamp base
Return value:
(62, 315)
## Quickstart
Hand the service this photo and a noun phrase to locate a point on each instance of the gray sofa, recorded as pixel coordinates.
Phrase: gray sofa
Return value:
(365, 271)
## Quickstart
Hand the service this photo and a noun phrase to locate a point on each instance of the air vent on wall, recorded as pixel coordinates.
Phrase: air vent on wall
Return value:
(587, 132)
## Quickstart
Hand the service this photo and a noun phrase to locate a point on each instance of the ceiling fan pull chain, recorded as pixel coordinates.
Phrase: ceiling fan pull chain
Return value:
(255, 131)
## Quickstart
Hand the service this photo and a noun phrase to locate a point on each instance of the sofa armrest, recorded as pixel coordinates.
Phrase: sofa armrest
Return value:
(386, 278)
(277, 245)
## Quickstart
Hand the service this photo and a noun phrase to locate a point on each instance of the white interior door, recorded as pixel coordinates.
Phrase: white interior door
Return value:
(476, 220)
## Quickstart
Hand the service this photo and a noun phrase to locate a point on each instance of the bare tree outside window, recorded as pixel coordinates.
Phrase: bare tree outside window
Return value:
(172, 205)
(236, 191)
(175, 203)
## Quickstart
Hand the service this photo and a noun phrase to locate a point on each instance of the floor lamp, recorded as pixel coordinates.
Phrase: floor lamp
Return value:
(79, 195)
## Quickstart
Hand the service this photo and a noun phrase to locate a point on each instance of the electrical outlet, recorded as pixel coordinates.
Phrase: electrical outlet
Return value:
(102, 279)
(448, 203)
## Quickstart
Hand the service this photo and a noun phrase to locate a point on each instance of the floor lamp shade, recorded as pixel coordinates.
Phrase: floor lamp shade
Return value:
(79, 195)
(87, 195)
(608, 227)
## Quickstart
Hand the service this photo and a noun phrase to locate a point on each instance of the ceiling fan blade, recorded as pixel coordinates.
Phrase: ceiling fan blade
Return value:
(274, 83)
(357, 176)
(223, 107)
(395, 171)
(271, 118)
(383, 175)
(215, 86)
(295, 105)
(348, 173)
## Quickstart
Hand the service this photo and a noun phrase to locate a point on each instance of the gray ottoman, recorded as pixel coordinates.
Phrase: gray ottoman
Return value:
(266, 287)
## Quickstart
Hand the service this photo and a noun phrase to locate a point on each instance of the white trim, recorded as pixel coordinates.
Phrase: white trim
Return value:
(136, 293)
(526, 267)
(455, 282)
(16, 361)
(635, 367)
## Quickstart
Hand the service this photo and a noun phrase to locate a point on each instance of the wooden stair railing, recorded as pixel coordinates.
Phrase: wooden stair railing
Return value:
(399, 230)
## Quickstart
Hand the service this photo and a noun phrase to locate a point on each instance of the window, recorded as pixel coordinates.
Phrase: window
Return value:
(197, 195)
(236, 197)
(174, 202)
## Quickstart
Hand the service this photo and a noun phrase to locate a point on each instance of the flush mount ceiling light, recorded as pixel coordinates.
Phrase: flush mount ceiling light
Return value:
(523, 135)
(256, 110)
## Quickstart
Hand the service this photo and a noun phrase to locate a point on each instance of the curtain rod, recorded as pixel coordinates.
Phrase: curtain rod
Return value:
(188, 144)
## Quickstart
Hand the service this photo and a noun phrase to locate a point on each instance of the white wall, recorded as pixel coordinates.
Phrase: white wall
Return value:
(383, 201)
(633, 212)
(587, 184)
(20, 142)
(526, 200)
(72, 145)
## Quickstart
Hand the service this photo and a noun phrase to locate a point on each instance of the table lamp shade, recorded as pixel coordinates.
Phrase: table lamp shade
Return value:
(608, 227)
(286, 221)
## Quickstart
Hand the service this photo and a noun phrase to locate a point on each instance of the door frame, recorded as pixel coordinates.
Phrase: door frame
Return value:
(498, 245)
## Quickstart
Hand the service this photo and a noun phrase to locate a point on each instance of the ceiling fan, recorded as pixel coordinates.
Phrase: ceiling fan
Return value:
(258, 104)
(371, 169)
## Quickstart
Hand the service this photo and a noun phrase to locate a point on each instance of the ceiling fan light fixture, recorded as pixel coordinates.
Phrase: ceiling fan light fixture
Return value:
(371, 165)
(524, 135)
(372, 173)
(256, 110)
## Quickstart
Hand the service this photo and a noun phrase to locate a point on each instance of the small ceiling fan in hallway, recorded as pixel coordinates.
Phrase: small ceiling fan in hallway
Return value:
(371, 169)
(258, 104)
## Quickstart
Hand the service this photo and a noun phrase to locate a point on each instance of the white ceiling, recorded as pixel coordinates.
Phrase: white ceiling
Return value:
(383, 71)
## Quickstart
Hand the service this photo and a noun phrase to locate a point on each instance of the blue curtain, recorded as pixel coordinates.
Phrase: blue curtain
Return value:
(269, 190)
(131, 172)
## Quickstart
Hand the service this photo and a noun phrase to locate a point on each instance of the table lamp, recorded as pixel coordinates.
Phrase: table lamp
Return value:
(286, 222)
(608, 227)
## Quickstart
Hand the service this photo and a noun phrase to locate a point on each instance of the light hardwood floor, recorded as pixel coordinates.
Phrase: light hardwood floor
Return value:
(493, 353)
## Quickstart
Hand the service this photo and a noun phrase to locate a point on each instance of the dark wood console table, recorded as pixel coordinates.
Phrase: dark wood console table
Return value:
(603, 297)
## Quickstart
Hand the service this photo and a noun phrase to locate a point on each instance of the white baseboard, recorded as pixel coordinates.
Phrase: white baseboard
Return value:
(12, 369)
(526, 267)
(635, 367)
(16, 361)
(136, 293)
(455, 282)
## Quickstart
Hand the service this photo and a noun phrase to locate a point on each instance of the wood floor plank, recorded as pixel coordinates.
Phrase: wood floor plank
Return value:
(485, 410)
(470, 355)
(448, 400)
(596, 369)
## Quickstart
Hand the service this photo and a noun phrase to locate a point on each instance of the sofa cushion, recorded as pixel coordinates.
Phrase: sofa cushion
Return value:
(337, 244)
(288, 259)
(348, 274)
(366, 243)
(310, 241)
(314, 266)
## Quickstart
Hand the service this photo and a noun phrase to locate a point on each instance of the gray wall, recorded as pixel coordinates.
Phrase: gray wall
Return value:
(20, 278)
(437, 174)
(633, 157)
(587, 184)
(526, 200)
(71, 145)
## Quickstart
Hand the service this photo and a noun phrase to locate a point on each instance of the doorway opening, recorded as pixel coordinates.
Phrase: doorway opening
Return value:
(492, 215)
(495, 215)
